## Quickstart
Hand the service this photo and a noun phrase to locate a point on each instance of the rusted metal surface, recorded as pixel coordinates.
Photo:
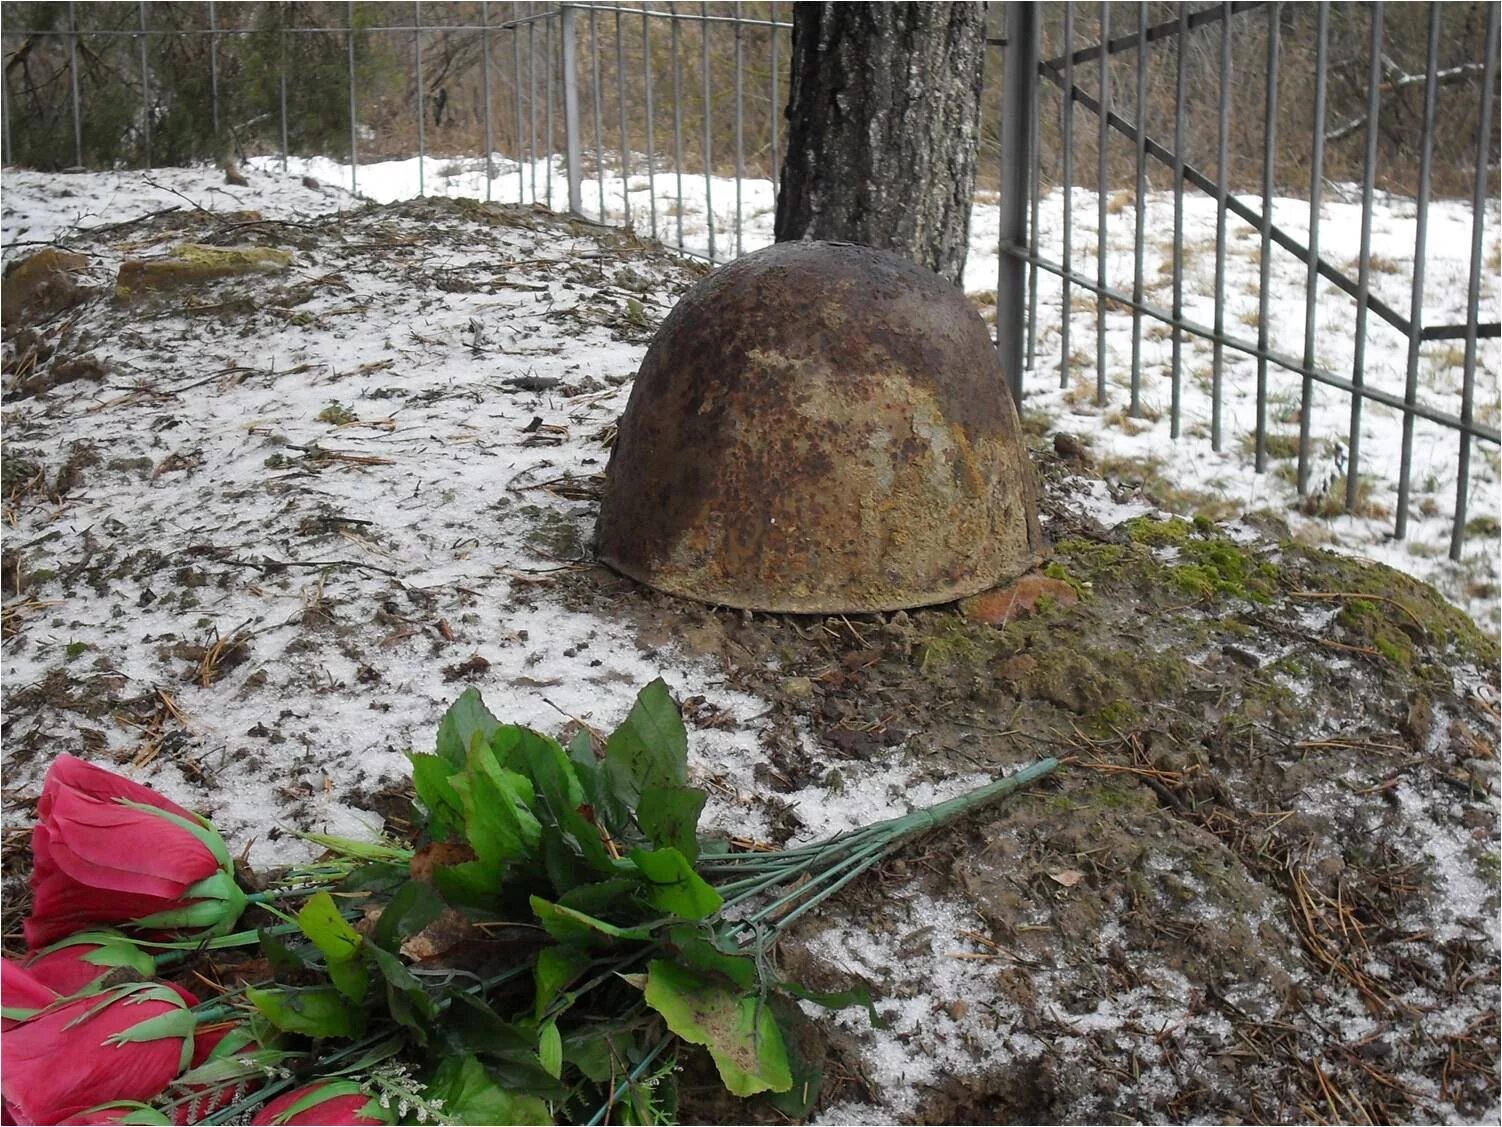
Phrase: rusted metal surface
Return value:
(821, 427)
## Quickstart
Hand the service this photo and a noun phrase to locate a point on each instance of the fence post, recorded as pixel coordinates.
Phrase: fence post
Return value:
(571, 107)
(73, 80)
(1018, 92)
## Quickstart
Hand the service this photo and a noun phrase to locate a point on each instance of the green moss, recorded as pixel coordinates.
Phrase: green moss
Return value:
(1056, 570)
(1289, 666)
(552, 534)
(1119, 715)
(1088, 560)
(1489, 866)
(955, 641)
(1220, 567)
(1401, 614)
(1158, 533)
(232, 260)
(336, 414)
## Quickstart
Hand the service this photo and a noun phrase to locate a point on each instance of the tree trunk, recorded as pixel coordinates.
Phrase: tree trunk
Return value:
(884, 116)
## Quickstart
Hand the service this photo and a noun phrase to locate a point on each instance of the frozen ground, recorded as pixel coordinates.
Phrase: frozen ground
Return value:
(1185, 474)
(297, 515)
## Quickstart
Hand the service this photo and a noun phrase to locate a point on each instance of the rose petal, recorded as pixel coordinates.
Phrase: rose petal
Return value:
(20, 989)
(60, 1063)
(70, 773)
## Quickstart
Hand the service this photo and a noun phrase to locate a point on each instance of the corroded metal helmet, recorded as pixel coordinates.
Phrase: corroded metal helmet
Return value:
(820, 427)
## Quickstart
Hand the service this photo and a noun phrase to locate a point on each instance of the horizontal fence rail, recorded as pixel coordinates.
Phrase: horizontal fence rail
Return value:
(667, 117)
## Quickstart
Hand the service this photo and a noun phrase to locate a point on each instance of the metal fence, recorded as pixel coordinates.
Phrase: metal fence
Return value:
(577, 92)
(1017, 288)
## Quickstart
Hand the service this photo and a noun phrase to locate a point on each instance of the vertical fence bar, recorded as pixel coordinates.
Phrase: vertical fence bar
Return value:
(1420, 247)
(1311, 280)
(1066, 142)
(1019, 91)
(1139, 235)
(516, 92)
(550, 135)
(740, 119)
(145, 80)
(485, 94)
(1176, 360)
(1364, 264)
(420, 99)
(281, 76)
(568, 32)
(547, 111)
(9, 156)
(776, 106)
(646, 72)
(532, 104)
(1218, 356)
(677, 120)
(354, 151)
(214, 67)
(708, 156)
(594, 58)
(73, 81)
(1102, 205)
(620, 93)
(1035, 194)
(1265, 228)
(1473, 289)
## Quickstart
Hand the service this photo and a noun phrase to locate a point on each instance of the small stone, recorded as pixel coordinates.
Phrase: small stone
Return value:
(1001, 605)
(43, 285)
(799, 688)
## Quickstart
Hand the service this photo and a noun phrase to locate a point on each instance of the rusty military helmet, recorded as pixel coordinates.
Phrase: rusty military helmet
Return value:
(820, 427)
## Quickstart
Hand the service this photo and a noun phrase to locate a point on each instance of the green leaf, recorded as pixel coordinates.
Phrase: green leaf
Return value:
(594, 1052)
(550, 1048)
(555, 968)
(473, 883)
(471, 1096)
(673, 886)
(411, 908)
(408, 1003)
(465, 717)
(695, 947)
(837, 1000)
(807, 1069)
(569, 926)
(339, 943)
(669, 816)
(319, 1011)
(738, 1030)
(650, 749)
(284, 961)
(581, 753)
(561, 862)
(498, 821)
(379, 879)
(543, 760)
(618, 897)
(445, 809)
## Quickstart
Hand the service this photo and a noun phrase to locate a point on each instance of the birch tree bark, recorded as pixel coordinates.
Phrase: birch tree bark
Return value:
(883, 120)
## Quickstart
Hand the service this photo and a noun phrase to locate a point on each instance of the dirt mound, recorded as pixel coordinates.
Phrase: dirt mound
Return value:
(255, 560)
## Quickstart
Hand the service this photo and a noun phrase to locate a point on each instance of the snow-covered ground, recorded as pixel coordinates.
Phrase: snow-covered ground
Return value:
(1185, 472)
(368, 480)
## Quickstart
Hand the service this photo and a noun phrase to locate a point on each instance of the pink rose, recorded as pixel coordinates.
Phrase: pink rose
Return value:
(325, 1102)
(109, 851)
(123, 1044)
